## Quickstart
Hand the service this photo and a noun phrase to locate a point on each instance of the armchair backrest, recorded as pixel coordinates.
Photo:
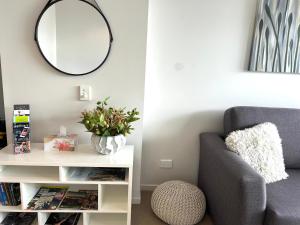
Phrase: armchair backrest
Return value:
(286, 120)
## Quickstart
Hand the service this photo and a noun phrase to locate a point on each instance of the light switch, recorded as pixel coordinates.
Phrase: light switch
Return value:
(85, 93)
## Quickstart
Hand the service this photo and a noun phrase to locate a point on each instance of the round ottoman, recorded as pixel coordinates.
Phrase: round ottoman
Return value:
(178, 203)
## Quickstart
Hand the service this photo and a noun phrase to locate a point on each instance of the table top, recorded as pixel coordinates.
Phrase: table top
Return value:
(83, 156)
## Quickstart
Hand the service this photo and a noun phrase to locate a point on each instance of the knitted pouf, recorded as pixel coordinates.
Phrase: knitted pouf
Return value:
(178, 203)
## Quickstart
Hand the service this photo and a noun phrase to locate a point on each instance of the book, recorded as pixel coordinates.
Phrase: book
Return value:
(11, 192)
(3, 194)
(8, 194)
(16, 193)
(47, 198)
(1, 198)
(19, 219)
(73, 200)
(63, 219)
(91, 200)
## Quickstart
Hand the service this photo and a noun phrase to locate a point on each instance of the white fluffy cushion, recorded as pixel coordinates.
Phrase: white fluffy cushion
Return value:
(260, 146)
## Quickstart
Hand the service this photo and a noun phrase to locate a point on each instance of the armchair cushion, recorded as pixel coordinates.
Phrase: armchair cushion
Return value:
(283, 206)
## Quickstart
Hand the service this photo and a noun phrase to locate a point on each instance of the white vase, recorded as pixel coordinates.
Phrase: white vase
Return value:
(108, 145)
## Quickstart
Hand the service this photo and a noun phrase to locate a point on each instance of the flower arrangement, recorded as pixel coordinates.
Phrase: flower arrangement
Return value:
(106, 121)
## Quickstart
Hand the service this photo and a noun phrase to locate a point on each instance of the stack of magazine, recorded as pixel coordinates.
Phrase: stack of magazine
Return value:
(19, 219)
(48, 198)
(52, 198)
(81, 200)
(98, 174)
(63, 219)
(10, 194)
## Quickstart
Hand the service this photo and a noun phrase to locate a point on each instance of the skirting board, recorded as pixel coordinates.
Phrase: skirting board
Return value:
(136, 200)
(148, 187)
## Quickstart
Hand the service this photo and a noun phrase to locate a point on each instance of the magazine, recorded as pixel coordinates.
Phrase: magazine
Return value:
(91, 200)
(19, 219)
(106, 174)
(63, 219)
(47, 198)
(73, 200)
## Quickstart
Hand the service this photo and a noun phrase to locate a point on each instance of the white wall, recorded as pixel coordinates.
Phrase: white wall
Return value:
(53, 96)
(196, 68)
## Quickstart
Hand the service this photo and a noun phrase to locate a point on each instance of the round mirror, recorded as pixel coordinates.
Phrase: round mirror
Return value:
(73, 36)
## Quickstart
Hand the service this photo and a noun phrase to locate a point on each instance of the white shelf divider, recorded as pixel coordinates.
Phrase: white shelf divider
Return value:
(100, 196)
(2, 215)
(43, 217)
(80, 222)
(28, 191)
(129, 203)
(63, 172)
(86, 218)
(11, 208)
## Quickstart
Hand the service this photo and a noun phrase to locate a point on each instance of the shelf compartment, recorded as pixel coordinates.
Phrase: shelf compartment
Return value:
(43, 217)
(114, 198)
(4, 214)
(81, 174)
(32, 174)
(29, 190)
(105, 219)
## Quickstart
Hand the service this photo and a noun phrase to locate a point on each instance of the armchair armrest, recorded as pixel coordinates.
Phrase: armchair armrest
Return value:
(236, 194)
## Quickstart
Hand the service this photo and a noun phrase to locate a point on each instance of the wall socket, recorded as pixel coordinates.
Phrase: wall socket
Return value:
(166, 163)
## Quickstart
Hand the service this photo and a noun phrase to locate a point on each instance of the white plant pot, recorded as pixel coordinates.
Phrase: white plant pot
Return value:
(108, 145)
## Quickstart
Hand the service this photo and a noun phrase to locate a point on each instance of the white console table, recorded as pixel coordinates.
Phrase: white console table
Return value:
(39, 168)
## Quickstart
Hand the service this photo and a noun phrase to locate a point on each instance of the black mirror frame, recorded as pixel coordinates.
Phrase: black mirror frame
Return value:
(96, 7)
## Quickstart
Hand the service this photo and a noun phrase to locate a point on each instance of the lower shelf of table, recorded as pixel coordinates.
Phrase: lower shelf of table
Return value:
(85, 218)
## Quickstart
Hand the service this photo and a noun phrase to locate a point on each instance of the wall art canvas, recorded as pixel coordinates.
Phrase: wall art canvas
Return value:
(276, 40)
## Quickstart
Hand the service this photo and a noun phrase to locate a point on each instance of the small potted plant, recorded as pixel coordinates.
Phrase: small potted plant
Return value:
(109, 126)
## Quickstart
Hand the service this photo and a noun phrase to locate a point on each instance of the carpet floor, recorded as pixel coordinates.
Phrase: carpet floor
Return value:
(143, 215)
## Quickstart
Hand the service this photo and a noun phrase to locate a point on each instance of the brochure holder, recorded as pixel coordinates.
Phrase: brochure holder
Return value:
(21, 129)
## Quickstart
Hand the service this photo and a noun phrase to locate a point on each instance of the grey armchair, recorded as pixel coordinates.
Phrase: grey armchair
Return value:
(236, 194)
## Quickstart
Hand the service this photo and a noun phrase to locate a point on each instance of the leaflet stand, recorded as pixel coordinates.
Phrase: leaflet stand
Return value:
(21, 129)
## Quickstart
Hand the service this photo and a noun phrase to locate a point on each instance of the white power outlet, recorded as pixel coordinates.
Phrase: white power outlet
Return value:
(166, 163)
(85, 93)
